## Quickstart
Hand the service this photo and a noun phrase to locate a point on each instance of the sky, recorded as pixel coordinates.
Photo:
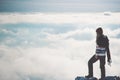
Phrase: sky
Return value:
(54, 39)
(59, 5)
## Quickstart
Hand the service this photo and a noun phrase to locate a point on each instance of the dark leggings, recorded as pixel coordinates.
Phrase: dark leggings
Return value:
(102, 65)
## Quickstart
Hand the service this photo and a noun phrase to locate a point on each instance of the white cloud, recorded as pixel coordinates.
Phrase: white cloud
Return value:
(43, 61)
(112, 33)
(64, 60)
(6, 31)
(107, 13)
(60, 18)
(65, 57)
(80, 34)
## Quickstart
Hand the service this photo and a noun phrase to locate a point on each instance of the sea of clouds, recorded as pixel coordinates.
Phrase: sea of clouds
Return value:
(54, 46)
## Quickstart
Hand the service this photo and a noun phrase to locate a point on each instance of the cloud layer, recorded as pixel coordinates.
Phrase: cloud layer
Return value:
(65, 61)
(32, 48)
(61, 18)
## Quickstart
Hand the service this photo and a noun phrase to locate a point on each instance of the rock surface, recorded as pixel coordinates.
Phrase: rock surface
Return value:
(94, 78)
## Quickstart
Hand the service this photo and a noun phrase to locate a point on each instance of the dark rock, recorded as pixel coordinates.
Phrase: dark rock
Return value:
(94, 78)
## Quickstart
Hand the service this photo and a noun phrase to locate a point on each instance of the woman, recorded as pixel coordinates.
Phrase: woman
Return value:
(101, 48)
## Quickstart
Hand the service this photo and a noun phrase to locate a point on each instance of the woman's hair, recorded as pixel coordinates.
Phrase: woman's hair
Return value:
(99, 33)
(99, 30)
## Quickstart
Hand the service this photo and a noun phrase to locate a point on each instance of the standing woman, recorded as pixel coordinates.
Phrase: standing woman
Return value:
(102, 46)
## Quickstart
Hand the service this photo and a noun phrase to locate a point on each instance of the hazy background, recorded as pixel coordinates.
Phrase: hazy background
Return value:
(53, 40)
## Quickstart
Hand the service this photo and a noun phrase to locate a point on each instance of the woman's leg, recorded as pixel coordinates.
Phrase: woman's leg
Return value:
(102, 66)
(90, 65)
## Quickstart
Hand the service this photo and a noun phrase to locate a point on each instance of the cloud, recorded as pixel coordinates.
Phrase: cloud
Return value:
(60, 18)
(29, 64)
(59, 49)
(78, 34)
(64, 60)
(45, 36)
(41, 36)
(107, 13)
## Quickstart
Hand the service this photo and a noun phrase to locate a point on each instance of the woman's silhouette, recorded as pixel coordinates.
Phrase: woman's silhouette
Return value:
(102, 46)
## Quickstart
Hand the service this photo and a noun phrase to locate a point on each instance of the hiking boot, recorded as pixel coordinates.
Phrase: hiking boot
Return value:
(88, 76)
(102, 79)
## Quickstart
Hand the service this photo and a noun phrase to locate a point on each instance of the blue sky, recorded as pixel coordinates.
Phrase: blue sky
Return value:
(59, 5)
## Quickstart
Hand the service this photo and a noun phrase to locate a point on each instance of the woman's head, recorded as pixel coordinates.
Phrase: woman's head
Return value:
(99, 31)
